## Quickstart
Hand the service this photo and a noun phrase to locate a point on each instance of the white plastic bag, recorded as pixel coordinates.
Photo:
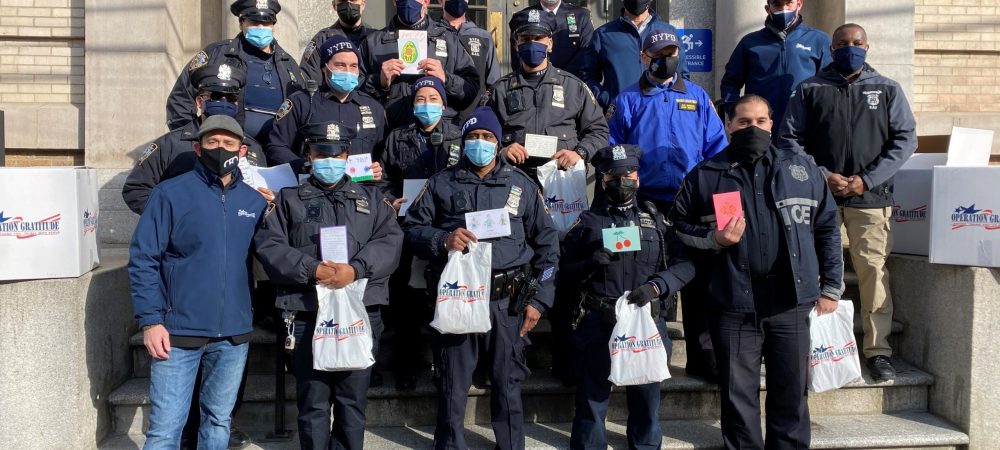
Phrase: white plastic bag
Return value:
(463, 293)
(833, 358)
(565, 192)
(342, 339)
(638, 355)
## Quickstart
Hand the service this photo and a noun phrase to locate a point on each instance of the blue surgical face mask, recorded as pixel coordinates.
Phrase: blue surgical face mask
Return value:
(409, 11)
(784, 19)
(343, 82)
(220, 108)
(480, 152)
(329, 170)
(848, 60)
(260, 37)
(532, 53)
(428, 113)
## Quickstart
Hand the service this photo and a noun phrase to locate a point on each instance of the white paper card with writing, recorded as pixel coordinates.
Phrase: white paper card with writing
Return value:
(333, 244)
(970, 147)
(489, 224)
(540, 145)
(278, 177)
(411, 189)
(412, 46)
(359, 167)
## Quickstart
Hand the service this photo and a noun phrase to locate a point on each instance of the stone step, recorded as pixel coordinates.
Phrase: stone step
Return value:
(546, 400)
(903, 430)
(261, 358)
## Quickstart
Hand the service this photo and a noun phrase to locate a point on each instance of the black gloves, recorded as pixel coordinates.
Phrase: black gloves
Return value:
(646, 294)
(601, 257)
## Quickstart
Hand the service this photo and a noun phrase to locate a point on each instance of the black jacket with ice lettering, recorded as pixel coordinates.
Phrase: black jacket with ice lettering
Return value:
(864, 128)
(288, 242)
(809, 218)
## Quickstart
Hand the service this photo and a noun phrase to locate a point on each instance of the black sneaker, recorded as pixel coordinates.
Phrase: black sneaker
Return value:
(238, 439)
(881, 368)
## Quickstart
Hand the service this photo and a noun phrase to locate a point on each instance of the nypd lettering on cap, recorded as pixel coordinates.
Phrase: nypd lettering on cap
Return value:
(618, 153)
(469, 123)
(663, 37)
(333, 132)
(423, 84)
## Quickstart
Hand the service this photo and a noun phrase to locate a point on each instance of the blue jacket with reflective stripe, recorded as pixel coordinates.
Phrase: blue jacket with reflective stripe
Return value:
(189, 257)
(676, 126)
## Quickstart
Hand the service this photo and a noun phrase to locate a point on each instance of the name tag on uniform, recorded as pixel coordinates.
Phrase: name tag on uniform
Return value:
(367, 119)
(514, 200)
(684, 104)
(441, 48)
(489, 224)
(558, 97)
(622, 239)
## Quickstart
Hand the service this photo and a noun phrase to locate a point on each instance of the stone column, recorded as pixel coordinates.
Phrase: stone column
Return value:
(733, 20)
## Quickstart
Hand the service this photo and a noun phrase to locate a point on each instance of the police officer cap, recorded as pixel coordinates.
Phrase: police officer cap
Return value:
(219, 78)
(659, 40)
(617, 159)
(258, 10)
(529, 22)
(328, 138)
(336, 44)
(483, 118)
(432, 82)
(220, 122)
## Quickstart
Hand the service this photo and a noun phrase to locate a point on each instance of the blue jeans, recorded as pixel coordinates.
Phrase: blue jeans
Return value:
(171, 387)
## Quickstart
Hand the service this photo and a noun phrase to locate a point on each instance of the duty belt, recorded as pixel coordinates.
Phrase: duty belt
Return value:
(506, 283)
(591, 303)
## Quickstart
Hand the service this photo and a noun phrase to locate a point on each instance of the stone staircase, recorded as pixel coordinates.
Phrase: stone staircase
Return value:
(862, 415)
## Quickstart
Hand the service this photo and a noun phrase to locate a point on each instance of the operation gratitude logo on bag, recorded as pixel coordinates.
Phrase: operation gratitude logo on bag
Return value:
(635, 345)
(330, 330)
(830, 353)
(455, 291)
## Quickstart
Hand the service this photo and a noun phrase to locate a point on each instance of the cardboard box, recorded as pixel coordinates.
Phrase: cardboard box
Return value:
(911, 228)
(48, 222)
(965, 216)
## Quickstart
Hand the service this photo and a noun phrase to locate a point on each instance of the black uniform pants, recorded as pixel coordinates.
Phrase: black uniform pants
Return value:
(458, 354)
(697, 319)
(316, 391)
(779, 334)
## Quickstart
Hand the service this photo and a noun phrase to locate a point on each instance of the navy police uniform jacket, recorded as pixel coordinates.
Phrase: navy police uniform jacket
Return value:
(441, 206)
(811, 229)
(180, 103)
(561, 106)
(312, 67)
(661, 258)
(361, 113)
(479, 44)
(461, 83)
(168, 156)
(189, 260)
(288, 242)
(572, 32)
(863, 128)
(770, 63)
(612, 61)
(410, 154)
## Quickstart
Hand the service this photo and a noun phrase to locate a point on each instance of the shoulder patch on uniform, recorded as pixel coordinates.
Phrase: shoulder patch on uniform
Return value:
(310, 49)
(611, 111)
(286, 107)
(200, 60)
(386, 201)
(484, 100)
(542, 201)
(150, 149)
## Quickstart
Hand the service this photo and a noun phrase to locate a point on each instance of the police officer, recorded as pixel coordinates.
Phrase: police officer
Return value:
(173, 153)
(287, 246)
(382, 70)
(435, 226)
(537, 98)
(768, 269)
(571, 28)
(476, 41)
(337, 99)
(272, 74)
(654, 272)
(348, 24)
(674, 120)
(416, 151)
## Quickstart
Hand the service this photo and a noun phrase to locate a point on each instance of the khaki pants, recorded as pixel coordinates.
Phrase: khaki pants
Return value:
(867, 232)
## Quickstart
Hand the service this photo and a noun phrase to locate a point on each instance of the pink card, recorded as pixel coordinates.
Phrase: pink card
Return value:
(727, 206)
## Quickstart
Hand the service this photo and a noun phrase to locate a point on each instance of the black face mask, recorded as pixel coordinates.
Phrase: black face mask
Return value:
(621, 191)
(456, 8)
(749, 144)
(636, 7)
(664, 68)
(219, 161)
(349, 13)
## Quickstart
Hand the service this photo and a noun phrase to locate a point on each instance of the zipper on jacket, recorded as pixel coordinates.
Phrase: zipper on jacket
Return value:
(849, 144)
(225, 260)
